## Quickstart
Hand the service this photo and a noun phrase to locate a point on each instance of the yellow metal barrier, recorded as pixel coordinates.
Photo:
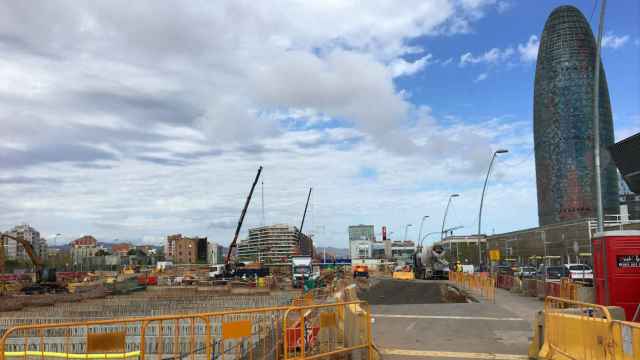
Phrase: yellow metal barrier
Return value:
(300, 332)
(568, 289)
(24, 354)
(577, 330)
(316, 331)
(404, 275)
(626, 335)
(484, 284)
(255, 333)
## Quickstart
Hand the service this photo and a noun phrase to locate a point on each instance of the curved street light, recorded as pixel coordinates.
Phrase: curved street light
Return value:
(426, 236)
(446, 210)
(405, 231)
(420, 232)
(484, 188)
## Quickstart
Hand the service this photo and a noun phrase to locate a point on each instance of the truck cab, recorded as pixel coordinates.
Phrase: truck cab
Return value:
(301, 270)
(216, 271)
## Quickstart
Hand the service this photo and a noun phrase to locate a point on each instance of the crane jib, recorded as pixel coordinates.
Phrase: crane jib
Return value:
(242, 214)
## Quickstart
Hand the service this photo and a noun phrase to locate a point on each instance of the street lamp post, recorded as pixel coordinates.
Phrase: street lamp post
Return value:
(55, 244)
(444, 218)
(420, 231)
(405, 231)
(426, 236)
(484, 188)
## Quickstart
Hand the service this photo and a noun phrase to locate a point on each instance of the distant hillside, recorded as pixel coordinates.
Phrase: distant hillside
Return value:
(333, 251)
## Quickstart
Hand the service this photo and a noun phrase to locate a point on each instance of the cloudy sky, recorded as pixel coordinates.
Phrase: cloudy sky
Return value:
(137, 119)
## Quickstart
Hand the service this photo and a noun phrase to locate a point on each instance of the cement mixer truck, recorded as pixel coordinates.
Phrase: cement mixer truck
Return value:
(430, 264)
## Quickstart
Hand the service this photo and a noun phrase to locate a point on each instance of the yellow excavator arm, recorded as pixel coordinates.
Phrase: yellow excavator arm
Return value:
(37, 262)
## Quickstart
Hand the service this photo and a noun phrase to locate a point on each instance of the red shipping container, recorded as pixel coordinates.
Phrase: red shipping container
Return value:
(620, 251)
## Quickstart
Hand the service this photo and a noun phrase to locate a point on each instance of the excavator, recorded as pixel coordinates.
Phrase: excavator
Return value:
(45, 277)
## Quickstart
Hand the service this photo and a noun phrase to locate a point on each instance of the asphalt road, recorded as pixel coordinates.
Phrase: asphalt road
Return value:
(412, 319)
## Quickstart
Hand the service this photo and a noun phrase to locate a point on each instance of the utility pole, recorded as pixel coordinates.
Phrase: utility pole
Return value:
(420, 232)
(596, 150)
(596, 120)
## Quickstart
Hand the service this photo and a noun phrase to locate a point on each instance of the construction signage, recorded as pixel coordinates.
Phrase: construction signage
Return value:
(494, 255)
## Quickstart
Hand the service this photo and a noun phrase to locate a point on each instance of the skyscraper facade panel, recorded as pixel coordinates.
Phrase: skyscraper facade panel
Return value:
(563, 122)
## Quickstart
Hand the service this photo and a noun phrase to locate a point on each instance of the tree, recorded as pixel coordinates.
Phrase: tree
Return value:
(102, 252)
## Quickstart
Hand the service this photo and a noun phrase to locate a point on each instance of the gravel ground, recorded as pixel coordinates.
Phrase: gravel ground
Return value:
(391, 292)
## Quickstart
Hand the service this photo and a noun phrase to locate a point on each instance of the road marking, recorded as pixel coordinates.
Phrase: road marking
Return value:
(444, 317)
(453, 354)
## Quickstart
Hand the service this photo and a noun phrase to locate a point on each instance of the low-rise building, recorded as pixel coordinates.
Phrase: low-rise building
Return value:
(26, 232)
(215, 255)
(468, 249)
(274, 245)
(564, 242)
(170, 245)
(360, 249)
(402, 249)
(378, 250)
(120, 249)
(190, 250)
(83, 247)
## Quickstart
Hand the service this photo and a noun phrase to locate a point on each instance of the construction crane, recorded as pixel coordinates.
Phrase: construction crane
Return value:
(304, 215)
(227, 260)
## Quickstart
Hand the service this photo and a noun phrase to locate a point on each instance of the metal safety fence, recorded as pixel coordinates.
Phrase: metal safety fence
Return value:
(315, 331)
(577, 330)
(564, 288)
(479, 282)
(290, 332)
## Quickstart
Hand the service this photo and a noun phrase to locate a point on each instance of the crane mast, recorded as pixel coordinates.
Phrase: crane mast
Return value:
(304, 215)
(244, 212)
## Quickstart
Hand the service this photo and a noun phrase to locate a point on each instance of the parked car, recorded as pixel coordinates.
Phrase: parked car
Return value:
(552, 273)
(504, 270)
(580, 273)
(526, 272)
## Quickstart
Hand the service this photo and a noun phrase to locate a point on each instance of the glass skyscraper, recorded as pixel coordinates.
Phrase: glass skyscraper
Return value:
(563, 122)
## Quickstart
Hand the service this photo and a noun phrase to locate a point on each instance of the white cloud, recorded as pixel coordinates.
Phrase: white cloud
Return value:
(529, 51)
(492, 57)
(447, 62)
(401, 67)
(481, 77)
(133, 120)
(609, 40)
(503, 6)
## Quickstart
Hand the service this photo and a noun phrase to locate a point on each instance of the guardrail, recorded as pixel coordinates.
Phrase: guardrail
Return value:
(293, 332)
(577, 330)
(480, 282)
